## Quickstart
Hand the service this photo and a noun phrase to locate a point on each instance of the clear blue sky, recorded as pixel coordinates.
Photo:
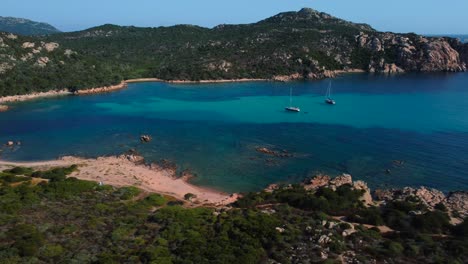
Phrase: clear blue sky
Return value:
(420, 16)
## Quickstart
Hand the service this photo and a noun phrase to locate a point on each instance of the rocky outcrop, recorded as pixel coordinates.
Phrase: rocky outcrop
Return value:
(3, 108)
(366, 197)
(455, 201)
(42, 61)
(104, 89)
(317, 182)
(287, 78)
(396, 53)
(28, 45)
(50, 46)
(461, 48)
(442, 57)
(145, 138)
(333, 183)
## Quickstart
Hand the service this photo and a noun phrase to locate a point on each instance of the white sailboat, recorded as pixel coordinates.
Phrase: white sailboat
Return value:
(329, 100)
(291, 108)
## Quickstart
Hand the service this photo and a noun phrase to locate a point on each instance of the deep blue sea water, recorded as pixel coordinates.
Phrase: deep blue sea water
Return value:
(213, 129)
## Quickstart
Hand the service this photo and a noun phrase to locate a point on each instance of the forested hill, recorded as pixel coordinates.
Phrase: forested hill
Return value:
(47, 217)
(292, 45)
(25, 26)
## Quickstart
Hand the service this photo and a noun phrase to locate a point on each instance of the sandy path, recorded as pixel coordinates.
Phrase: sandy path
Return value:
(121, 171)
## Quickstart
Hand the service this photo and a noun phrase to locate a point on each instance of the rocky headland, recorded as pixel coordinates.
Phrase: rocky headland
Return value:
(455, 202)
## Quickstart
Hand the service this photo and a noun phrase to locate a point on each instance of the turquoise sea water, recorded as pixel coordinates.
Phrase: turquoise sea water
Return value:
(213, 129)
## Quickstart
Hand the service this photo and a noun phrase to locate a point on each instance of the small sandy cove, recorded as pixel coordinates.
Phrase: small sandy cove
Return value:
(128, 170)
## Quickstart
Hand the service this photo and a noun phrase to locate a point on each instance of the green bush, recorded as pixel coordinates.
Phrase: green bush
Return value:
(432, 222)
(394, 248)
(155, 200)
(27, 239)
(127, 193)
(19, 171)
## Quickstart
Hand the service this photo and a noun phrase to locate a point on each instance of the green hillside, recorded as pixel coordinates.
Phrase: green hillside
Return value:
(25, 27)
(300, 45)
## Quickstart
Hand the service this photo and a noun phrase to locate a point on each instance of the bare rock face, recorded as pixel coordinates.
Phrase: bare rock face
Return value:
(412, 53)
(458, 201)
(50, 46)
(317, 182)
(341, 180)
(271, 188)
(28, 45)
(440, 56)
(454, 201)
(366, 197)
(69, 52)
(11, 36)
(428, 196)
(42, 61)
(325, 181)
(286, 78)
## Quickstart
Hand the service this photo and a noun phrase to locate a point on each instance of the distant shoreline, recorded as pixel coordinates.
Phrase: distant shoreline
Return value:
(106, 89)
(124, 84)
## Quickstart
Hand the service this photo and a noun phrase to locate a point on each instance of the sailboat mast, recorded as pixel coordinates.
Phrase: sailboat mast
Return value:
(290, 96)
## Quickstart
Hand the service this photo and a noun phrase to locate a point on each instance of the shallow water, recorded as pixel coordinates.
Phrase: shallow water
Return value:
(213, 129)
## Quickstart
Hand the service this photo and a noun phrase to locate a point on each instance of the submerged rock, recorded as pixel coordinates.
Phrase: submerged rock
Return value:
(276, 153)
(145, 138)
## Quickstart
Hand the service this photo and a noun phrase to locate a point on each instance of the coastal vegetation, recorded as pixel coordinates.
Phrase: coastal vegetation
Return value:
(46, 217)
(293, 45)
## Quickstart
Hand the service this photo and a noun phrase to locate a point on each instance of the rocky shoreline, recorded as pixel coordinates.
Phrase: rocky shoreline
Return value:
(32, 96)
(456, 202)
(104, 89)
(131, 170)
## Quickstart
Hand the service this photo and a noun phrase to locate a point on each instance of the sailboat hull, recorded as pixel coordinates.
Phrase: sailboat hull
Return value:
(292, 109)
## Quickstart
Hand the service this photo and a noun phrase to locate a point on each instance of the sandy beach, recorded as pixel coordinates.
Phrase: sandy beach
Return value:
(126, 170)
